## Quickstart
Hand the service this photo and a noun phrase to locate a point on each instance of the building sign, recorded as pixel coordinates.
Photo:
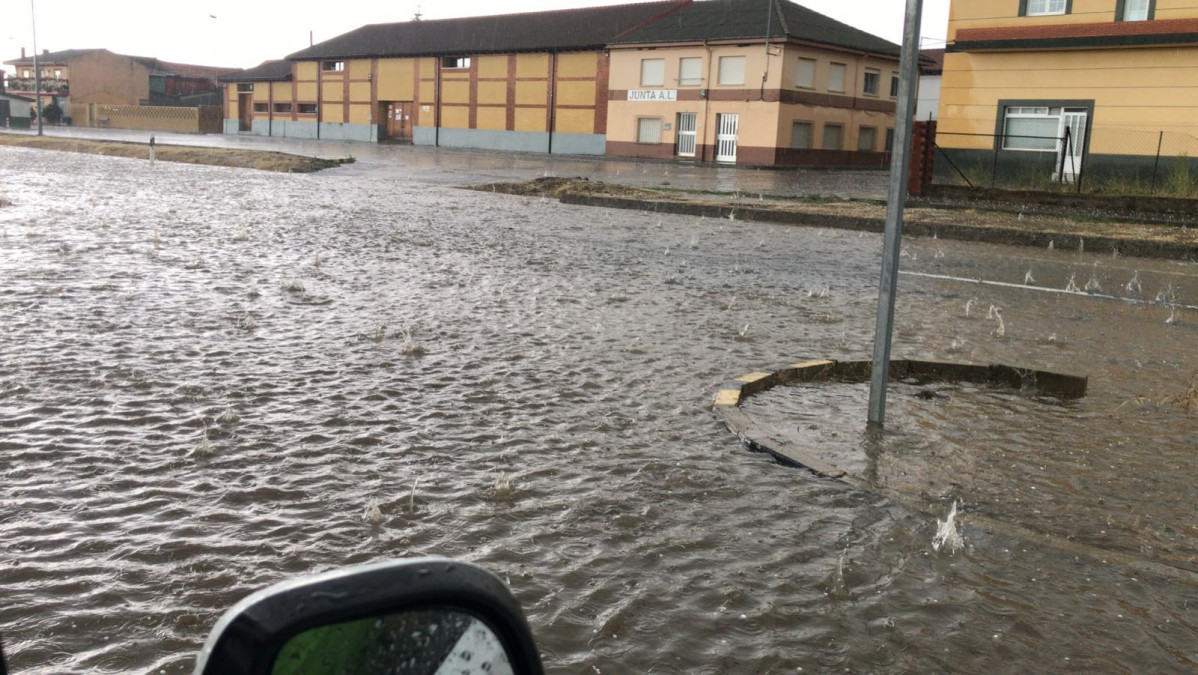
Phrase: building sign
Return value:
(652, 94)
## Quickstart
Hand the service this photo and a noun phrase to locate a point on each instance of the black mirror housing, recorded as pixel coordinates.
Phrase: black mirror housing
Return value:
(250, 636)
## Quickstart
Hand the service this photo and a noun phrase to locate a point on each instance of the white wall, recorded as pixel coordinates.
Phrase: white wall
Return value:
(928, 100)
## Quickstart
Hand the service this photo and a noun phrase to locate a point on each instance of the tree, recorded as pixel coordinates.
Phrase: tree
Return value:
(53, 112)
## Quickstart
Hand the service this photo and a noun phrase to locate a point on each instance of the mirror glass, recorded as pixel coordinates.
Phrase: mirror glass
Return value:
(421, 642)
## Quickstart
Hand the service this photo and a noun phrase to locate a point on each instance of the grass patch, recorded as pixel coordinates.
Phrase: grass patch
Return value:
(242, 159)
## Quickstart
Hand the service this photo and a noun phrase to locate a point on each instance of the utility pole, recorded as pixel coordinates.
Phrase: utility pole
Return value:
(37, 72)
(900, 165)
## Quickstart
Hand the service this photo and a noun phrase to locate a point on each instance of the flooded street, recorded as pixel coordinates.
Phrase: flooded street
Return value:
(208, 375)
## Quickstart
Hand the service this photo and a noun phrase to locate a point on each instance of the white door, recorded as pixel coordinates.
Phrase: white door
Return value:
(687, 123)
(1070, 154)
(729, 126)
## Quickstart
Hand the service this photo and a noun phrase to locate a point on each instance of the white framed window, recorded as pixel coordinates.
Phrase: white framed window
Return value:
(332, 66)
(806, 74)
(455, 62)
(690, 71)
(872, 82)
(732, 70)
(894, 85)
(1045, 7)
(648, 130)
(800, 135)
(836, 73)
(1031, 128)
(653, 72)
(1136, 10)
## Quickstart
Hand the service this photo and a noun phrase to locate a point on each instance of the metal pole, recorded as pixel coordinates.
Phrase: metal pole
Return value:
(37, 72)
(1157, 164)
(994, 165)
(900, 165)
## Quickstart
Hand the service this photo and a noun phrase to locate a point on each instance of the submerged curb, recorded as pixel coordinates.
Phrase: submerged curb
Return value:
(1132, 246)
(730, 396)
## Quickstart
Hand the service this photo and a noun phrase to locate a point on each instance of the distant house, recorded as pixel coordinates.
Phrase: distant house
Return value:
(930, 71)
(77, 78)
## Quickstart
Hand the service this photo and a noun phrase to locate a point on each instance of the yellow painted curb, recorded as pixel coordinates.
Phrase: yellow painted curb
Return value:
(753, 377)
(729, 397)
(812, 364)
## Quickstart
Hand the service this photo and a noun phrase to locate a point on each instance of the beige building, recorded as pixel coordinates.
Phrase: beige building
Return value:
(535, 82)
(713, 82)
(1119, 76)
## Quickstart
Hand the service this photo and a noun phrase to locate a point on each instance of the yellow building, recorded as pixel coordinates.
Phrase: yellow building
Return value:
(1118, 78)
(531, 82)
(759, 82)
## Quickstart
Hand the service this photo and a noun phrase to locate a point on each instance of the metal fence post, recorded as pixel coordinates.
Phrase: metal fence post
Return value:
(994, 164)
(1157, 164)
(900, 165)
(1066, 151)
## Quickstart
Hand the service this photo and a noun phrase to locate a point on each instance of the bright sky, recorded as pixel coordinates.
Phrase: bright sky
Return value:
(243, 33)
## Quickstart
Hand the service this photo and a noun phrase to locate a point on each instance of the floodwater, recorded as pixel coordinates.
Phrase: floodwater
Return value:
(209, 375)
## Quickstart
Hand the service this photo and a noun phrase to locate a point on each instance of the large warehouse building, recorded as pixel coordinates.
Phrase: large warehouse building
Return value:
(657, 79)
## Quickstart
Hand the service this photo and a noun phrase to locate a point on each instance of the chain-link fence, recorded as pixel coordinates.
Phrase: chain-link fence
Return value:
(1102, 159)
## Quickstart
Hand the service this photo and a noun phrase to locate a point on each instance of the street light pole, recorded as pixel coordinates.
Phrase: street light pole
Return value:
(37, 72)
(900, 165)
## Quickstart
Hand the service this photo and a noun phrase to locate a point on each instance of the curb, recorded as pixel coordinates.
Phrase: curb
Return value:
(731, 395)
(984, 234)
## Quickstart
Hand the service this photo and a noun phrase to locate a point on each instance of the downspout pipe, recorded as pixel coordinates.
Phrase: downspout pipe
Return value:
(552, 99)
(706, 103)
(437, 105)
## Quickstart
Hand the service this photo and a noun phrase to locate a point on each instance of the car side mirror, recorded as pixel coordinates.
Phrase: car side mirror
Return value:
(427, 616)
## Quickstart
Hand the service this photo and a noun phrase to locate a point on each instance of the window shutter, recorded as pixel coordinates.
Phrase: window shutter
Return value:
(1022, 7)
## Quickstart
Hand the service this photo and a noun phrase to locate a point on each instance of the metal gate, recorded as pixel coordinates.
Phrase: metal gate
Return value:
(687, 123)
(729, 126)
(1069, 155)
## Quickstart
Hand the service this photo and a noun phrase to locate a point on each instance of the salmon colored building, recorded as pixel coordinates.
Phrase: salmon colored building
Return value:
(1121, 76)
(760, 82)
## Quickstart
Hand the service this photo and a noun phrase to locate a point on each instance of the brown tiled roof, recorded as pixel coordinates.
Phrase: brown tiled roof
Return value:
(194, 71)
(586, 28)
(52, 57)
(267, 71)
(931, 61)
(748, 19)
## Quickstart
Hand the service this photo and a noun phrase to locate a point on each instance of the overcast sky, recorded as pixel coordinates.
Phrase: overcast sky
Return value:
(243, 33)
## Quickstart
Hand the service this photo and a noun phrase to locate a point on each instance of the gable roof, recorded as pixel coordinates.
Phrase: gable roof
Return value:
(61, 56)
(933, 61)
(267, 71)
(747, 19)
(585, 28)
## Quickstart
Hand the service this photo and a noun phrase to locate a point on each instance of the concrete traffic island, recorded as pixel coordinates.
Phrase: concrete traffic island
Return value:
(759, 437)
(188, 154)
(731, 395)
(1065, 232)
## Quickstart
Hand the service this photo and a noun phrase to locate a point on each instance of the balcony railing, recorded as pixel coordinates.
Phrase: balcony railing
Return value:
(50, 85)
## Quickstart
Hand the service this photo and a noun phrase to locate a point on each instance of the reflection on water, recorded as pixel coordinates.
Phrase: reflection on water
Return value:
(176, 435)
